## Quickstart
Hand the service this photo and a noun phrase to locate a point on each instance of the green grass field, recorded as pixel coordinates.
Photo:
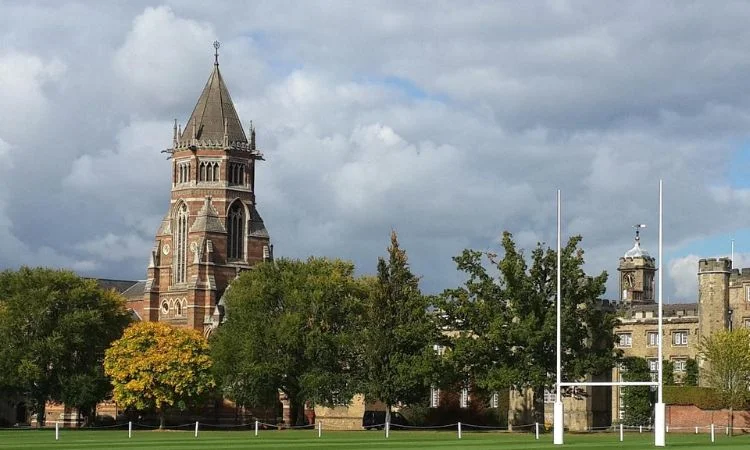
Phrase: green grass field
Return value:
(287, 439)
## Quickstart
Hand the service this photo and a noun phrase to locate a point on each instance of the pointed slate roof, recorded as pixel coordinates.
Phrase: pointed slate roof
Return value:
(207, 220)
(213, 108)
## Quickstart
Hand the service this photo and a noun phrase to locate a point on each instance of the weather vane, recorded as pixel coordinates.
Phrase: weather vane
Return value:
(638, 227)
(217, 44)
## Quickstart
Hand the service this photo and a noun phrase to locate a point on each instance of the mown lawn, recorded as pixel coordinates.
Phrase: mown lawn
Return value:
(287, 439)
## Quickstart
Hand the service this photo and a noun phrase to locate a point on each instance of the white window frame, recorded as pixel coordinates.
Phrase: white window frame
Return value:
(495, 400)
(680, 365)
(652, 339)
(747, 293)
(439, 349)
(746, 322)
(434, 397)
(680, 338)
(464, 403)
(624, 343)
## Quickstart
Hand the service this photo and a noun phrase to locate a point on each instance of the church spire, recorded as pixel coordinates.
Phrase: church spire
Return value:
(214, 117)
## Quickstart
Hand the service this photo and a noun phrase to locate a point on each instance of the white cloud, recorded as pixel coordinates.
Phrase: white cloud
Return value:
(683, 273)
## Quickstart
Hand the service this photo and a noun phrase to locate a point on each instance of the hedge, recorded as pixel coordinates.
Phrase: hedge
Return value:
(703, 398)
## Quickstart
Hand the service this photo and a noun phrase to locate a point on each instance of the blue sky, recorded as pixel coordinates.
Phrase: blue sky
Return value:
(448, 125)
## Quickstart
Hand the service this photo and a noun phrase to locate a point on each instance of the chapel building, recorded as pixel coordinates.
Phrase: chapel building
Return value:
(212, 229)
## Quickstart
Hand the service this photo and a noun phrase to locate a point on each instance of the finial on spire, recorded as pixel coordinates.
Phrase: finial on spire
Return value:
(174, 131)
(638, 227)
(252, 136)
(217, 44)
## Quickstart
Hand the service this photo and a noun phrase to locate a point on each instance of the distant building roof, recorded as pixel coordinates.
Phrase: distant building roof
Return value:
(118, 286)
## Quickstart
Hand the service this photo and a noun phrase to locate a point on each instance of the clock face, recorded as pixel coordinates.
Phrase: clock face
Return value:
(628, 280)
(165, 249)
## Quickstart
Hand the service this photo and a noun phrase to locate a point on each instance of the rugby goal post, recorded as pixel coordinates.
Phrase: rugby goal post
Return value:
(659, 409)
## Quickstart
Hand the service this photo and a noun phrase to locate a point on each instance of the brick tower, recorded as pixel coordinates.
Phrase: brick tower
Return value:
(212, 229)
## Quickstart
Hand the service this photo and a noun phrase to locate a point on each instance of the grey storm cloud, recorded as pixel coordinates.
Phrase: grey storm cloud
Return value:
(446, 124)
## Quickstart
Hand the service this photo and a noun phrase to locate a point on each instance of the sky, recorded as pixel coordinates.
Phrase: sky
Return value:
(447, 124)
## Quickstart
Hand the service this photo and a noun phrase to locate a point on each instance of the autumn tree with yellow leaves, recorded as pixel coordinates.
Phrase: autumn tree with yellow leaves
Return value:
(157, 366)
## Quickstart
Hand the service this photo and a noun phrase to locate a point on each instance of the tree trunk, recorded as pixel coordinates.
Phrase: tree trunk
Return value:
(40, 413)
(538, 405)
(731, 421)
(162, 417)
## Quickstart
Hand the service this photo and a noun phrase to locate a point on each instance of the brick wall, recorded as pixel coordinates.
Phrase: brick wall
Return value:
(690, 416)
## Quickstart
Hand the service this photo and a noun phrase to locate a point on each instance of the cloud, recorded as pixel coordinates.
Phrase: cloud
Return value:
(683, 273)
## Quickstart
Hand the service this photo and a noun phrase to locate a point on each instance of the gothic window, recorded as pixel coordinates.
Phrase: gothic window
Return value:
(236, 231)
(208, 171)
(236, 173)
(183, 172)
(178, 308)
(181, 232)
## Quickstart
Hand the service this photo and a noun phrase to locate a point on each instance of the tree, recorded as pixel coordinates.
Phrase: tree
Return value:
(668, 372)
(55, 327)
(636, 400)
(506, 324)
(397, 360)
(156, 366)
(691, 372)
(727, 355)
(289, 329)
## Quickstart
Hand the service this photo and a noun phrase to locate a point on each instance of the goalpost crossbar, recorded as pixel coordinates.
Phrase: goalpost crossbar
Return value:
(609, 383)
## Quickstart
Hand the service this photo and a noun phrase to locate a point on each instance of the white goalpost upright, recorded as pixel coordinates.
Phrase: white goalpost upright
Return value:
(659, 409)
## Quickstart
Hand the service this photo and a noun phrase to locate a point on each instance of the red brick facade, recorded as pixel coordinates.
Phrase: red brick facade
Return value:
(687, 417)
(213, 172)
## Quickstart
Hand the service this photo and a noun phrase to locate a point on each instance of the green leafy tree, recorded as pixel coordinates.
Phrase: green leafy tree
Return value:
(289, 329)
(727, 355)
(397, 360)
(668, 372)
(55, 327)
(691, 372)
(157, 366)
(506, 324)
(637, 400)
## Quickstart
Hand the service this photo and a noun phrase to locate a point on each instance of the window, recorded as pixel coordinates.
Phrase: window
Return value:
(465, 397)
(652, 338)
(549, 396)
(434, 397)
(236, 173)
(746, 322)
(183, 172)
(165, 307)
(680, 337)
(680, 365)
(236, 231)
(180, 254)
(439, 349)
(495, 400)
(747, 294)
(653, 367)
(208, 171)
(624, 339)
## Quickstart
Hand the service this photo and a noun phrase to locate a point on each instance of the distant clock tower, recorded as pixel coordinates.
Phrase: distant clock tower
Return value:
(637, 269)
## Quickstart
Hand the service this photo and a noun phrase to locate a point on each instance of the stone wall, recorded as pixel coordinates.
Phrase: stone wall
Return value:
(690, 416)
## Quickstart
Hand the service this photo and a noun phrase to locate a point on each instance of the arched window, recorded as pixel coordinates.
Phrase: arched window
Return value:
(180, 240)
(236, 231)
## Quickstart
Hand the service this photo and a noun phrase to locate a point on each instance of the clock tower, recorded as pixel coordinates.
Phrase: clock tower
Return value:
(212, 229)
(637, 269)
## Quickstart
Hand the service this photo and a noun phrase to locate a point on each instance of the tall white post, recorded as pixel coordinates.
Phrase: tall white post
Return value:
(387, 430)
(557, 430)
(713, 434)
(256, 427)
(196, 428)
(621, 434)
(320, 428)
(57, 431)
(536, 431)
(459, 430)
(659, 408)
(130, 430)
